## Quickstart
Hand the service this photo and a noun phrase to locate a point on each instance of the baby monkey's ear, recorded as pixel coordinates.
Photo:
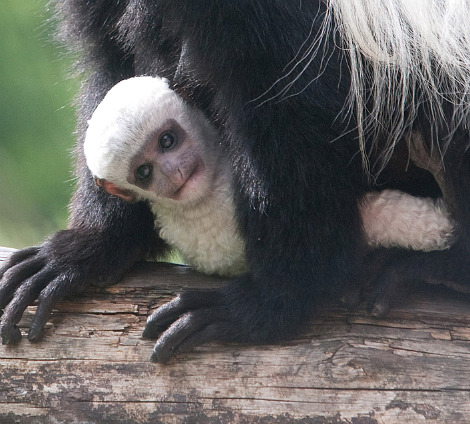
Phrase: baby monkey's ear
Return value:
(114, 190)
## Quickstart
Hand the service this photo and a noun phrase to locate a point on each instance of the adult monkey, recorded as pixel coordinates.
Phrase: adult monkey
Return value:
(274, 78)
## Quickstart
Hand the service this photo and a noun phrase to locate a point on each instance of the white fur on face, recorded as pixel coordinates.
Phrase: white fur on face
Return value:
(121, 124)
(392, 218)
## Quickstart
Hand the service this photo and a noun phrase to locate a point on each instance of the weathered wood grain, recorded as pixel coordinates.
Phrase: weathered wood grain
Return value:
(92, 366)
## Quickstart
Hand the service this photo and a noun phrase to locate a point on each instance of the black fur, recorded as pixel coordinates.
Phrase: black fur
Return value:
(298, 172)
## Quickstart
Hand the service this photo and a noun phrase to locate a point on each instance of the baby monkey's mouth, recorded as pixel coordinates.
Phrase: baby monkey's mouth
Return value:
(189, 185)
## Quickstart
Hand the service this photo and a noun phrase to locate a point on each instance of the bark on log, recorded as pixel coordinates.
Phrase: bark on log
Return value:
(93, 366)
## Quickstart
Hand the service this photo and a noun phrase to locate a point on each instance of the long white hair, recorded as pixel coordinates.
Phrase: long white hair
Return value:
(403, 53)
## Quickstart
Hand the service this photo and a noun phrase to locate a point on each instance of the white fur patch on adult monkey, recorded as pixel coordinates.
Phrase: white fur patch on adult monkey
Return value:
(404, 49)
(145, 143)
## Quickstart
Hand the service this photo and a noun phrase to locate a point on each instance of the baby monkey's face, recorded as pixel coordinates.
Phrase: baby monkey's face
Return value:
(170, 165)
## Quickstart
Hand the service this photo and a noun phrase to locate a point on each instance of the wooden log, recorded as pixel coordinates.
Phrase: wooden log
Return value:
(93, 366)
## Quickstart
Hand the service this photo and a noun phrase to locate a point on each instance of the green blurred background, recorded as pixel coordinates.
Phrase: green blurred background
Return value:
(36, 125)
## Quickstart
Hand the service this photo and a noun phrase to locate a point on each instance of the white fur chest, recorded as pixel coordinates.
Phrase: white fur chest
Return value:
(206, 234)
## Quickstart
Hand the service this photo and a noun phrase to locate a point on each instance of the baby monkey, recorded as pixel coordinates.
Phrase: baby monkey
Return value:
(145, 143)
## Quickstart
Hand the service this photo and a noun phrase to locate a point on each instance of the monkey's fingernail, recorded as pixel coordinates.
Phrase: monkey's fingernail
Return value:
(11, 334)
(35, 333)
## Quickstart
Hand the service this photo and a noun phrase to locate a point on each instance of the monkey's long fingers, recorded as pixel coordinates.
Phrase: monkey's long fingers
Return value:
(192, 329)
(23, 297)
(207, 334)
(53, 292)
(16, 273)
(171, 311)
(163, 317)
(17, 257)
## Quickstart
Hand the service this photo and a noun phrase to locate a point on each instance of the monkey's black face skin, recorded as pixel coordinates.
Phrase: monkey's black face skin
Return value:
(297, 172)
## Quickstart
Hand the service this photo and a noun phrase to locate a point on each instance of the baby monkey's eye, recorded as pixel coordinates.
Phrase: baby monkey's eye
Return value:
(167, 140)
(143, 172)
